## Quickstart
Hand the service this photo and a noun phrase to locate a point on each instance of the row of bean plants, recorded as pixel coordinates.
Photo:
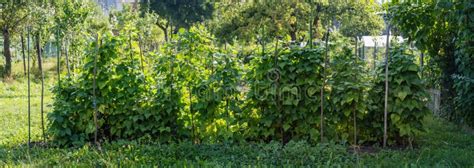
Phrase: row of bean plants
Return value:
(202, 93)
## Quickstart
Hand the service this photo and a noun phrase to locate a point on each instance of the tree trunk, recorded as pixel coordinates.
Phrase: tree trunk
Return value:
(7, 72)
(316, 21)
(293, 34)
(165, 31)
(135, 5)
(448, 92)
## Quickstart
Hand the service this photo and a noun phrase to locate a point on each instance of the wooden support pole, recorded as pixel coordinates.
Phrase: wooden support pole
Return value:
(40, 66)
(326, 61)
(22, 39)
(141, 54)
(94, 86)
(66, 50)
(385, 116)
(29, 89)
(58, 58)
(375, 54)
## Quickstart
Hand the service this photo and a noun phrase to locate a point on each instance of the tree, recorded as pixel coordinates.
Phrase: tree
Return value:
(292, 19)
(360, 19)
(288, 18)
(179, 13)
(12, 14)
(442, 29)
(69, 17)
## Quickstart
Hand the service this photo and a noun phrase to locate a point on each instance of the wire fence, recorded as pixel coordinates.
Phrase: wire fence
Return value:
(434, 103)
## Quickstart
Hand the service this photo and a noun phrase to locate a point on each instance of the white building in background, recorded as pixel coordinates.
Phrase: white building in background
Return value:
(108, 5)
(379, 41)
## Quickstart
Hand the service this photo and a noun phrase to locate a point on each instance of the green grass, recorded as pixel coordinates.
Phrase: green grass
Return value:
(442, 145)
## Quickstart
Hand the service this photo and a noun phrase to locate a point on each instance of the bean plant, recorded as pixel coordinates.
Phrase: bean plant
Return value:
(120, 97)
(349, 85)
(197, 88)
(407, 98)
(284, 95)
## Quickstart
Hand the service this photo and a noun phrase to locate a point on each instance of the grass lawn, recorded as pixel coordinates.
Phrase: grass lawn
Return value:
(442, 145)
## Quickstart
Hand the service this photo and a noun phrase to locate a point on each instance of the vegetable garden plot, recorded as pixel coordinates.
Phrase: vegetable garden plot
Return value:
(194, 95)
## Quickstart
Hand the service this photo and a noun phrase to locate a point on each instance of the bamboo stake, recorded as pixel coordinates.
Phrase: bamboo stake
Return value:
(385, 136)
(40, 66)
(29, 88)
(262, 40)
(130, 46)
(356, 47)
(363, 50)
(66, 48)
(354, 118)
(58, 56)
(141, 54)
(375, 53)
(326, 61)
(277, 89)
(23, 52)
(422, 56)
(355, 124)
(311, 32)
(171, 86)
(94, 103)
(191, 112)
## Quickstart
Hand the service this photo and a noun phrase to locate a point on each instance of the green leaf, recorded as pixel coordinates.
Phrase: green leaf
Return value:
(395, 118)
(286, 126)
(402, 95)
(413, 67)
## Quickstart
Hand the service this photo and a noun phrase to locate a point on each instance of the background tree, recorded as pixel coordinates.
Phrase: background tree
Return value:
(12, 15)
(291, 19)
(69, 19)
(42, 16)
(359, 18)
(179, 13)
(442, 29)
(288, 18)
